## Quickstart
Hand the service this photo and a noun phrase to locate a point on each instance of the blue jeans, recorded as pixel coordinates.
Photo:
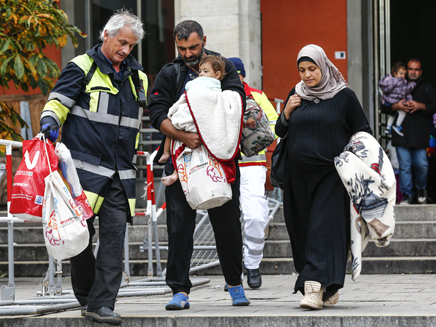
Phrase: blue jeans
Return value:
(408, 157)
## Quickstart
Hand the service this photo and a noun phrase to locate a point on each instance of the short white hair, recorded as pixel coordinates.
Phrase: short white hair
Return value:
(122, 18)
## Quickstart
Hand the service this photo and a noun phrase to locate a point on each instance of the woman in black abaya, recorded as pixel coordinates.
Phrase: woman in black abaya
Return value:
(320, 116)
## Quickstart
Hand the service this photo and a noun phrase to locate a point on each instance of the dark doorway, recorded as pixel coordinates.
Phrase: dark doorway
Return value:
(413, 34)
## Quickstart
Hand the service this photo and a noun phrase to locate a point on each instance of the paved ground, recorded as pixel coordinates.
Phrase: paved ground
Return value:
(374, 300)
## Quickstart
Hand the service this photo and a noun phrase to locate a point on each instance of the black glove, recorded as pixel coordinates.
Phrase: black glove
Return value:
(50, 128)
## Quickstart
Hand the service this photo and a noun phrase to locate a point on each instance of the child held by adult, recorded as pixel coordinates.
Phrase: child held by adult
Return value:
(396, 88)
(211, 72)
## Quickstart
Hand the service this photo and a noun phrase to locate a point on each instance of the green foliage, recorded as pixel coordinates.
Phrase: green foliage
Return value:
(28, 27)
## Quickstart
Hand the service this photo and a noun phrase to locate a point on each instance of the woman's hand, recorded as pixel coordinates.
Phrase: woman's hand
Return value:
(293, 102)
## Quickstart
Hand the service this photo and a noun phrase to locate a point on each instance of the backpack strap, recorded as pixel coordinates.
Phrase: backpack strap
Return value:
(139, 87)
(90, 73)
(179, 82)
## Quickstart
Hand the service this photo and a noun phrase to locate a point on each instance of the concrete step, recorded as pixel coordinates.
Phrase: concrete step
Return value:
(403, 229)
(268, 266)
(397, 247)
(274, 249)
(401, 300)
(415, 212)
(34, 234)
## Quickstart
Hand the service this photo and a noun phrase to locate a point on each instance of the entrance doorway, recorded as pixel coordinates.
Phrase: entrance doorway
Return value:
(402, 29)
(413, 34)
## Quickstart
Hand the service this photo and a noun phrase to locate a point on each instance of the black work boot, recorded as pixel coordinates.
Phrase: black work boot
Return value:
(254, 278)
(103, 314)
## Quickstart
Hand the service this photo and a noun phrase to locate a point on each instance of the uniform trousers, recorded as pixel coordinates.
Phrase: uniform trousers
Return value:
(255, 210)
(181, 224)
(96, 281)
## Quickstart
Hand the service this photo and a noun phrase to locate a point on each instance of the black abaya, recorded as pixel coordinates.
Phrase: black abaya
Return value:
(316, 204)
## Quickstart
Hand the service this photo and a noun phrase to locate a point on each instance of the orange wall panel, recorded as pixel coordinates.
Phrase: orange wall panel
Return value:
(287, 26)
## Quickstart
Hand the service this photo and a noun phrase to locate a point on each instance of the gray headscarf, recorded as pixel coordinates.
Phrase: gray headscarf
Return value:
(331, 82)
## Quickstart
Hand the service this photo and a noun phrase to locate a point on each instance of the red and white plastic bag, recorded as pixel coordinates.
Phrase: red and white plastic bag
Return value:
(28, 186)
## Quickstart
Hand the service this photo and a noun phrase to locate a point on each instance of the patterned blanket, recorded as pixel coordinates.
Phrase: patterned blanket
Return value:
(367, 174)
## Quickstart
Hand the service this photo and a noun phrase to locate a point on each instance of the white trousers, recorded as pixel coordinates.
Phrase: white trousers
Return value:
(255, 210)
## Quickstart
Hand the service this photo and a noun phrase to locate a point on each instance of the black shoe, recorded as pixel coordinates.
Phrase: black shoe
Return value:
(83, 310)
(407, 199)
(422, 196)
(254, 278)
(104, 314)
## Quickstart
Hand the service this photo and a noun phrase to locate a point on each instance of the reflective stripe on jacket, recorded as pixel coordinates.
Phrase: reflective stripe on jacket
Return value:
(101, 122)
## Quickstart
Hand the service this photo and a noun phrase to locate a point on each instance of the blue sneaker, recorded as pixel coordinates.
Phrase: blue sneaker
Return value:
(179, 302)
(398, 130)
(238, 296)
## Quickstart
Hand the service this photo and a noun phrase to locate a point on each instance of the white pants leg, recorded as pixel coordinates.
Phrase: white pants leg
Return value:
(254, 206)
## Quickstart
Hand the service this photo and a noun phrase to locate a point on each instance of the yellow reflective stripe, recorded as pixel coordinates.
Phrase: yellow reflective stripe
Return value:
(99, 81)
(144, 79)
(132, 86)
(92, 199)
(132, 204)
(93, 101)
(58, 108)
(84, 62)
(98, 204)
(136, 144)
(267, 107)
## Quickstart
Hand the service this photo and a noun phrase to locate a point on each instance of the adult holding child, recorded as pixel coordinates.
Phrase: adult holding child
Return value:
(412, 146)
(168, 86)
(320, 116)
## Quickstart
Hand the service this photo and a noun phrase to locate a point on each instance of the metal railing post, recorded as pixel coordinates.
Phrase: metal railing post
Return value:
(8, 292)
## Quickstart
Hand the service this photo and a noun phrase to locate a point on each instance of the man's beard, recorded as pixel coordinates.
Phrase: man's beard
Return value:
(194, 60)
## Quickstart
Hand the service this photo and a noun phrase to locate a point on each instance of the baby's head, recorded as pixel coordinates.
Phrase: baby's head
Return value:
(212, 66)
(399, 69)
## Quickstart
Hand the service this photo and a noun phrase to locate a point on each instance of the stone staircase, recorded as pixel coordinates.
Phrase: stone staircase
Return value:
(412, 250)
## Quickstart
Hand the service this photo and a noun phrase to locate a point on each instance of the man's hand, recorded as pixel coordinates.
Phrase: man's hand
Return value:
(414, 106)
(191, 140)
(401, 105)
(49, 128)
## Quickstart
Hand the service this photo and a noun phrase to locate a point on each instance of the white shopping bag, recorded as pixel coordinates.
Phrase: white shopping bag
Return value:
(67, 170)
(65, 230)
(202, 177)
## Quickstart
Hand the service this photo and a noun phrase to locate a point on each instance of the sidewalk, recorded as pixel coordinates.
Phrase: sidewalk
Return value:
(374, 300)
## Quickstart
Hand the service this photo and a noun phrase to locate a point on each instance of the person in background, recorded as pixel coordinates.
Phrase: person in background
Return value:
(253, 200)
(412, 147)
(101, 117)
(321, 114)
(396, 88)
(168, 86)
